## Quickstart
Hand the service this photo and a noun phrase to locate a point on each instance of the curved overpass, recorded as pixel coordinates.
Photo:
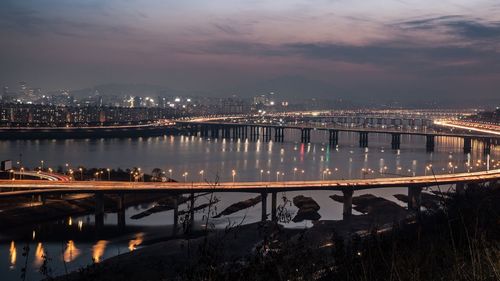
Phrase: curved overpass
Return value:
(39, 187)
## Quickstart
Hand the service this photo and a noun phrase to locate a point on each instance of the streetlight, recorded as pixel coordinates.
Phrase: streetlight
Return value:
(277, 176)
(41, 162)
(185, 176)
(233, 172)
(261, 172)
(109, 174)
(81, 173)
(201, 175)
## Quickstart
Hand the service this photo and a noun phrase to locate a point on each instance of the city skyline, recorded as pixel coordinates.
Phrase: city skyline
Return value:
(328, 49)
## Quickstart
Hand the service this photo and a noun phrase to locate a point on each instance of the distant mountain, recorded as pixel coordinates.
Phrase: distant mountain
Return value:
(142, 90)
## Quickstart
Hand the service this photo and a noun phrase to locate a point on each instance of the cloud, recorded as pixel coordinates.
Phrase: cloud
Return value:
(457, 25)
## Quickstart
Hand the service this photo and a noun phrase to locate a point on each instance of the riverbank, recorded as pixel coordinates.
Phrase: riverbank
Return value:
(458, 242)
(122, 131)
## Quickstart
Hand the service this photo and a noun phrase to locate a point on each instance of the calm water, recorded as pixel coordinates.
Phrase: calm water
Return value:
(76, 242)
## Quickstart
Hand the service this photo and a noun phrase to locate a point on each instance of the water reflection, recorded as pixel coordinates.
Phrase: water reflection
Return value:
(12, 255)
(39, 254)
(98, 250)
(71, 252)
(132, 244)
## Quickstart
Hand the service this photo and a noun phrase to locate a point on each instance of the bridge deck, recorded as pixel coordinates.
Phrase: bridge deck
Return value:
(22, 187)
(343, 129)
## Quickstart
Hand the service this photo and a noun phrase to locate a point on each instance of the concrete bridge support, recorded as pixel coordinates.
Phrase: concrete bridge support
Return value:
(263, 196)
(279, 134)
(267, 134)
(487, 146)
(305, 135)
(254, 133)
(274, 200)
(347, 211)
(396, 141)
(430, 143)
(99, 209)
(467, 145)
(191, 211)
(214, 132)
(121, 211)
(414, 198)
(333, 137)
(460, 188)
(42, 199)
(363, 139)
(176, 216)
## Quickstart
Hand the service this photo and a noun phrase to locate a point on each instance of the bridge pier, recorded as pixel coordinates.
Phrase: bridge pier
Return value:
(334, 137)
(467, 145)
(487, 146)
(176, 215)
(263, 196)
(99, 209)
(279, 134)
(121, 211)
(363, 139)
(42, 199)
(305, 135)
(396, 141)
(214, 131)
(347, 211)
(274, 200)
(430, 142)
(460, 188)
(254, 133)
(414, 198)
(266, 134)
(191, 212)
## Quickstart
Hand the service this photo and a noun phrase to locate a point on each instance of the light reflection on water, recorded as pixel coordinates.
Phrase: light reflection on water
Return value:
(251, 161)
(98, 250)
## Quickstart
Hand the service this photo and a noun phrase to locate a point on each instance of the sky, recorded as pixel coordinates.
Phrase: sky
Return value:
(448, 49)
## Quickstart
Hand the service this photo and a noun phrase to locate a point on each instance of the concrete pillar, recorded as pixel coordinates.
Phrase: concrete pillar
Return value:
(273, 206)
(467, 145)
(429, 144)
(347, 212)
(363, 139)
(396, 141)
(414, 198)
(191, 212)
(121, 211)
(460, 188)
(176, 215)
(99, 209)
(334, 137)
(264, 206)
(487, 146)
(42, 199)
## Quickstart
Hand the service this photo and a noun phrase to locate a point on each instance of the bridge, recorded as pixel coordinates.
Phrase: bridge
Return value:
(253, 131)
(41, 189)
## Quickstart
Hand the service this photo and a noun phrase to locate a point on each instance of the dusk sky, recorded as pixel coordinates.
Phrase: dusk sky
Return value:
(328, 48)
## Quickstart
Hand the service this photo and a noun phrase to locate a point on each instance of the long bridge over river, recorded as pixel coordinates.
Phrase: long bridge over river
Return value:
(41, 189)
(240, 129)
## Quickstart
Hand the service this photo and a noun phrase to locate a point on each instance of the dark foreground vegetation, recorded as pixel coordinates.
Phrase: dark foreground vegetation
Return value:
(460, 241)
